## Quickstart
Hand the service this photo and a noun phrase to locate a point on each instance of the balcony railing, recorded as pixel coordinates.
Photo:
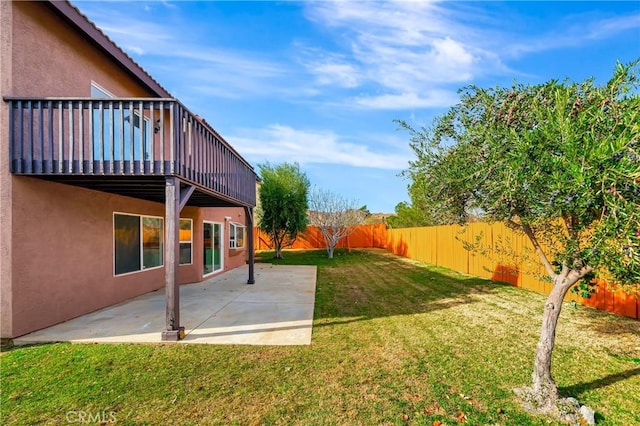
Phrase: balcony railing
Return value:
(124, 137)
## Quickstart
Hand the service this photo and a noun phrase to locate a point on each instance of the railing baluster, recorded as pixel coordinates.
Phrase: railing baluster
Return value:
(186, 157)
(92, 138)
(198, 163)
(18, 158)
(209, 162)
(101, 137)
(39, 164)
(152, 136)
(205, 158)
(236, 178)
(121, 134)
(50, 168)
(12, 140)
(71, 129)
(60, 136)
(184, 145)
(81, 136)
(218, 160)
(130, 154)
(179, 141)
(172, 125)
(188, 146)
(200, 154)
(143, 132)
(29, 159)
(112, 142)
(218, 174)
(162, 114)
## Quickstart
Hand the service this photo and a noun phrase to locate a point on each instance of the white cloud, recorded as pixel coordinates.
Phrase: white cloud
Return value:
(404, 50)
(168, 4)
(613, 26)
(342, 74)
(207, 69)
(382, 55)
(434, 99)
(575, 31)
(277, 143)
(448, 52)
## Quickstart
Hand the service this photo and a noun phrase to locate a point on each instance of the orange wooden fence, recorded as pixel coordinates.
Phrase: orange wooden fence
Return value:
(364, 236)
(511, 258)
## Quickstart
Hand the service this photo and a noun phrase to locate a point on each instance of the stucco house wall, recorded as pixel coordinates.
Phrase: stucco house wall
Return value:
(50, 58)
(6, 317)
(63, 251)
(56, 240)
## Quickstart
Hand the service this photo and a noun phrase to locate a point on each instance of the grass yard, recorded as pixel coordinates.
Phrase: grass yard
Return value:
(394, 342)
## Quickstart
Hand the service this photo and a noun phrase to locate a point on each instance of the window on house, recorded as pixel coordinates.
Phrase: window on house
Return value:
(138, 242)
(109, 146)
(186, 241)
(236, 235)
(152, 247)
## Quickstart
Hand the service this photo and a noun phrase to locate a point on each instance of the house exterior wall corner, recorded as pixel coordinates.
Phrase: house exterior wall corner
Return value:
(6, 295)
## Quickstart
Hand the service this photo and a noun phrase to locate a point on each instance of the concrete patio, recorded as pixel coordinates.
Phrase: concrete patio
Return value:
(276, 310)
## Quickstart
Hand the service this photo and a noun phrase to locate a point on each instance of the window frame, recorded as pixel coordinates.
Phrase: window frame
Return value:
(221, 244)
(190, 242)
(144, 130)
(140, 244)
(233, 232)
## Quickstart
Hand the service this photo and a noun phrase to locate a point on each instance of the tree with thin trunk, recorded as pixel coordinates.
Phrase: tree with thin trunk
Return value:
(558, 162)
(334, 215)
(282, 212)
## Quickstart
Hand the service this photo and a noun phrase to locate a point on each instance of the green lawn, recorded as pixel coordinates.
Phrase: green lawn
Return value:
(394, 342)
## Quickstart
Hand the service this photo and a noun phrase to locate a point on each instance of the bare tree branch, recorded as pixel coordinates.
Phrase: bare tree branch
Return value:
(538, 249)
(334, 215)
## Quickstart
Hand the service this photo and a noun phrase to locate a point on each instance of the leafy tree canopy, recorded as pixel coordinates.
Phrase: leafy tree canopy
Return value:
(283, 203)
(557, 161)
(409, 215)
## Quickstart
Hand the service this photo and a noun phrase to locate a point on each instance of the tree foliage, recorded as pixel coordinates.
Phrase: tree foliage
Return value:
(335, 216)
(282, 212)
(409, 215)
(557, 161)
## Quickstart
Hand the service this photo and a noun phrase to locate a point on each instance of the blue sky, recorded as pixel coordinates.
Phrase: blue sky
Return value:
(320, 83)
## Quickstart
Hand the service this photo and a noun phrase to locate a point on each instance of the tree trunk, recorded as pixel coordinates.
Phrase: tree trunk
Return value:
(278, 252)
(330, 251)
(544, 389)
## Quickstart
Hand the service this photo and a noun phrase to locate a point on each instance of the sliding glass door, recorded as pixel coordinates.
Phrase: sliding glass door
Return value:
(213, 255)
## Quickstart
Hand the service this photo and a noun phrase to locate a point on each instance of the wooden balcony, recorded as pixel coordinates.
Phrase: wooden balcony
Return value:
(126, 146)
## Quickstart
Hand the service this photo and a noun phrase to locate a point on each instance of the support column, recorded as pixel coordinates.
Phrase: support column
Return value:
(249, 223)
(173, 331)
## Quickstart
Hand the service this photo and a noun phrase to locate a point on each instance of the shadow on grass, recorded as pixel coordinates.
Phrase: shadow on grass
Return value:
(609, 324)
(579, 388)
(9, 346)
(359, 285)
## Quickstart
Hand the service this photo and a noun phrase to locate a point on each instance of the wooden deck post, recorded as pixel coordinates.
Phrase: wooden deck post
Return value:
(249, 224)
(173, 331)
